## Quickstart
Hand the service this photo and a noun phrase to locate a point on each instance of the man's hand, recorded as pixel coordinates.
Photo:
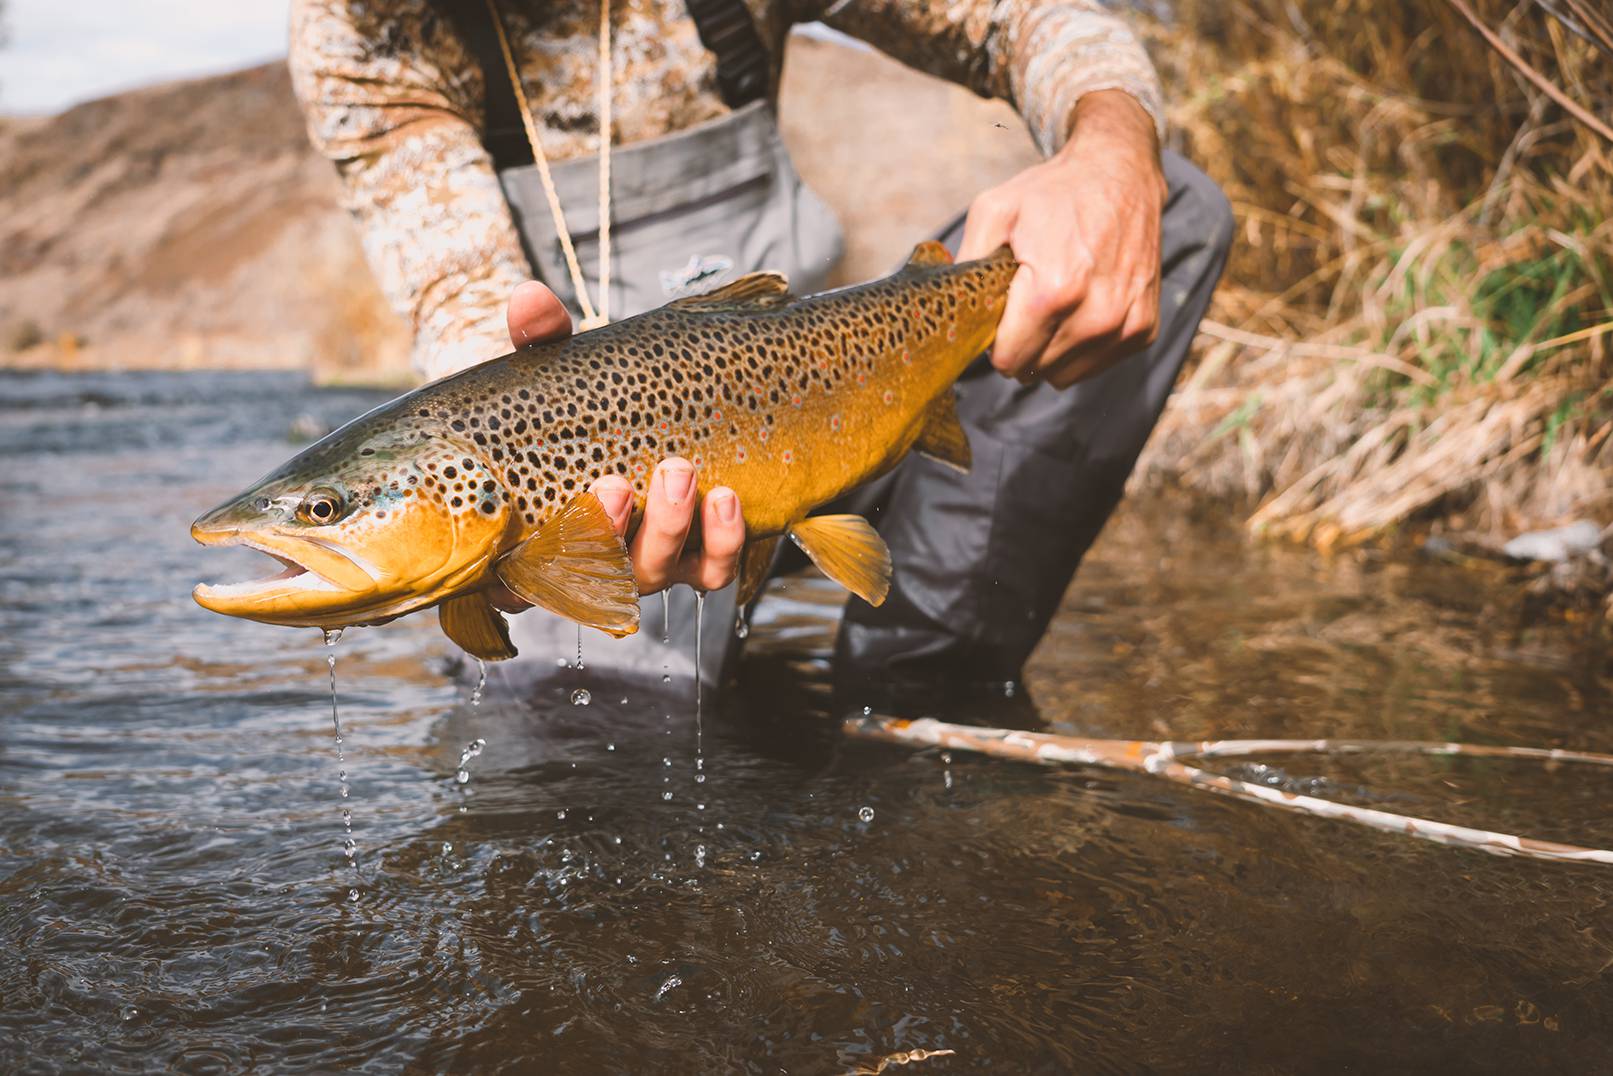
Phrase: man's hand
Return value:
(659, 559)
(1084, 226)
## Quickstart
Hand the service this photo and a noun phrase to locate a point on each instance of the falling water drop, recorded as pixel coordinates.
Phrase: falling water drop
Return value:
(699, 630)
(666, 617)
(865, 813)
(741, 624)
(581, 697)
(481, 683)
(579, 647)
(472, 750)
(349, 846)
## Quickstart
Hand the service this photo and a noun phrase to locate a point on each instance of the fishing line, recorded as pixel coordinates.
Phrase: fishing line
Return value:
(1165, 759)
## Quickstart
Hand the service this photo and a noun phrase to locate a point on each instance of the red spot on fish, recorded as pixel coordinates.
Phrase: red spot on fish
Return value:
(762, 435)
(952, 333)
(907, 358)
(889, 396)
(796, 400)
(834, 423)
(789, 457)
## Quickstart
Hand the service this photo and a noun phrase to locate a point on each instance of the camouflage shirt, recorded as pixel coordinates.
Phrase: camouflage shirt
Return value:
(395, 99)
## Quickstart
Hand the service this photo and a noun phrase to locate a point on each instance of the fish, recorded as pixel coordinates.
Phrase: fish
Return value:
(480, 480)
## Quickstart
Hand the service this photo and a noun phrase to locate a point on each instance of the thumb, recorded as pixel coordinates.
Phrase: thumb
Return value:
(536, 314)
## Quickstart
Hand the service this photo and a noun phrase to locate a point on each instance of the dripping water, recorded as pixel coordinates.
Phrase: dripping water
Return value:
(579, 647)
(481, 683)
(666, 618)
(349, 846)
(472, 750)
(699, 731)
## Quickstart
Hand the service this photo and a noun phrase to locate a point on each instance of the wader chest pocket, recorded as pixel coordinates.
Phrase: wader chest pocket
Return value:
(689, 211)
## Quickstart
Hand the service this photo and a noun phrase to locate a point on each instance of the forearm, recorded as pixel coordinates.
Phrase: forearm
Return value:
(1044, 56)
(1112, 125)
(433, 220)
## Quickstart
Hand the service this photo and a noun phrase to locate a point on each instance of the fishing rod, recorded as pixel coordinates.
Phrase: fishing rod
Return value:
(1166, 759)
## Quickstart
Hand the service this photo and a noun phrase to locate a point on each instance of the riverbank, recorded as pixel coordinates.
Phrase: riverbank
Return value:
(1413, 333)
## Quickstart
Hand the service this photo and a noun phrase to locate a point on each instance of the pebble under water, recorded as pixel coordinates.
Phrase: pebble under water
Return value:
(539, 891)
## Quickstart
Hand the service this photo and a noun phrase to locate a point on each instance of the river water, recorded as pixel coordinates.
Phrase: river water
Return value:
(174, 893)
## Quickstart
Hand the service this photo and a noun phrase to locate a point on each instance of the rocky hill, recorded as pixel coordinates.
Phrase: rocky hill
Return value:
(190, 225)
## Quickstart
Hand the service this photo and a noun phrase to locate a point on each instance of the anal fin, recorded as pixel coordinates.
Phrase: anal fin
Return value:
(848, 550)
(753, 567)
(577, 566)
(942, 437)
(476, 627)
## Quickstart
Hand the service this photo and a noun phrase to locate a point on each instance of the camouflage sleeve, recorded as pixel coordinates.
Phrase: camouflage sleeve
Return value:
(390, 96)
(1041, 55)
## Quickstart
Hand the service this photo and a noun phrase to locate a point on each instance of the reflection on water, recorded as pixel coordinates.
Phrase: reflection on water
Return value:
(173, 884)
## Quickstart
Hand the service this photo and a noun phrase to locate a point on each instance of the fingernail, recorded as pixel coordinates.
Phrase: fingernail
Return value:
(614, 499)
(678, 482)
(726, 504)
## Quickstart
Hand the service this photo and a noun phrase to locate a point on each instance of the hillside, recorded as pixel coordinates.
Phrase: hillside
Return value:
(190, 225)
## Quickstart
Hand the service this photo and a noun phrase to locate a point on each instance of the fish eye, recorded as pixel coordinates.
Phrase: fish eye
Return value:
(321, 506)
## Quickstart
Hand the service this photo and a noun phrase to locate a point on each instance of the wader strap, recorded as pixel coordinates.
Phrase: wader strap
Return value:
(502, 131)
(726, 29)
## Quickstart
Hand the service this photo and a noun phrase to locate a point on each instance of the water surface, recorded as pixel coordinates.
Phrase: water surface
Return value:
(174, 894)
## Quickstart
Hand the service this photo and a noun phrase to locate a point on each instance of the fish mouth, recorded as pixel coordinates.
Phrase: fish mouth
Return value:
(314, 580)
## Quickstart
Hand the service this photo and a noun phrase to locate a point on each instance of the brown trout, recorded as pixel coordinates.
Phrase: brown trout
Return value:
(482, 477)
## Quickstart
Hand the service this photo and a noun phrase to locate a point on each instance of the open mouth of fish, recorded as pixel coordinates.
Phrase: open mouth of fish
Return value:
(294, 575)
(315, 575)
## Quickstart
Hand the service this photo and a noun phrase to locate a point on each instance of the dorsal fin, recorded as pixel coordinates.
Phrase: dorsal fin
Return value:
(929, 253)
(749, 291)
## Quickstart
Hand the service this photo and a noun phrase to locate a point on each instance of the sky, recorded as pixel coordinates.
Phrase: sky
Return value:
(60, 52)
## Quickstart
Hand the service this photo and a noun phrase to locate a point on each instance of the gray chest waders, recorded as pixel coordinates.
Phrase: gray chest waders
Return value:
(688, 212)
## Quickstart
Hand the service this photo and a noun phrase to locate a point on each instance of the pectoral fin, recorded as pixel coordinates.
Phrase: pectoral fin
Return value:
(849, 551)
(476, 627)
(577, 566)
(753, 567)
(943, 438)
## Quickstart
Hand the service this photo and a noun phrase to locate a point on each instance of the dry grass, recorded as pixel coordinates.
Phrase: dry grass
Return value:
(1418, 320)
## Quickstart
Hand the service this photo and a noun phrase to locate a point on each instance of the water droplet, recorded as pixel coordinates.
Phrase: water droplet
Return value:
(581, 697)
(699, 778)
(741, 626)
(481, 683)
(332, 636)
(700, 855)
(666, 678)
(868, 711)
(447, 848)
(671, 984)
(562, 816)
(666, 795)
(462, 776)
(610, 747)
(352, 896)
(865, 813)
(665, 761)
(624, 700)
